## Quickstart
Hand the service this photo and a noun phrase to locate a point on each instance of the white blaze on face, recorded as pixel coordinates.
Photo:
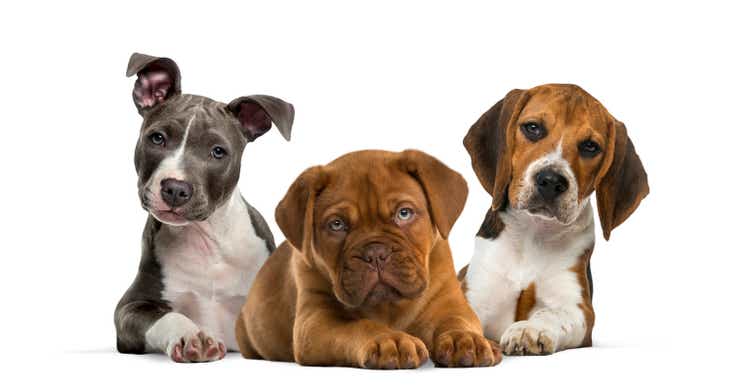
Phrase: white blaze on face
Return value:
(568, 207)
(169, 167)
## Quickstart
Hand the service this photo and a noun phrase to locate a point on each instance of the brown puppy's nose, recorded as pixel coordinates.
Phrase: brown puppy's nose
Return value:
(376, 253)
(175, 192)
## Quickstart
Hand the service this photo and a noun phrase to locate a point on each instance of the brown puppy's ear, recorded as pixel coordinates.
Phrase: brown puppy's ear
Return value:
(444, 188)
(294, 214)
(158, 79)
(490, 145)
(623, 184)
(256, 113)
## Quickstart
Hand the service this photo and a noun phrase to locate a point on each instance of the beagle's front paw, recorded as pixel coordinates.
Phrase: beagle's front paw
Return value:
(527, 338)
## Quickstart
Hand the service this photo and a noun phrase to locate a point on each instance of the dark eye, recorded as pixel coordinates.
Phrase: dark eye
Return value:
(404, 214)
(157, 138)
(336, 225)
(218, 152)
(589, 148)
(533, 131)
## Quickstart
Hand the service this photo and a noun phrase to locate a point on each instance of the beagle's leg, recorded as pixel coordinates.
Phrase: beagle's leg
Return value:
(546, 331)
(562, 317)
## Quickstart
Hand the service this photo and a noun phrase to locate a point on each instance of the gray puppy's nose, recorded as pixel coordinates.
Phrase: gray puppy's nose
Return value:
(550, 184)
(176, 192)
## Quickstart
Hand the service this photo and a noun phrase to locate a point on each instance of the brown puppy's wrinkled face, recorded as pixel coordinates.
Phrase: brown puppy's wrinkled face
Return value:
(372, 232)
(367, 222)
(561, 135)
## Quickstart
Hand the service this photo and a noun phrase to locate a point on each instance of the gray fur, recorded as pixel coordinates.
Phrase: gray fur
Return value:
(213, 123)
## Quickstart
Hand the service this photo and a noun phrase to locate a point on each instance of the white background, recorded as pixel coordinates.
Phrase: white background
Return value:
(671, 286)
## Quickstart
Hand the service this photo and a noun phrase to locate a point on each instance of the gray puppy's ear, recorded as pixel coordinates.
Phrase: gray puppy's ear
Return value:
(158, 80)
(257, 112)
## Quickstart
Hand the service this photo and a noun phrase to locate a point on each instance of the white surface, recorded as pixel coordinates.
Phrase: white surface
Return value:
(671, 286)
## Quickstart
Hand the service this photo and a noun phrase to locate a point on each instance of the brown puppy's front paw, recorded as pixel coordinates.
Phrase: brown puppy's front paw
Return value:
(461, 348)
(523, 338)
(198, 348)
(396, 350)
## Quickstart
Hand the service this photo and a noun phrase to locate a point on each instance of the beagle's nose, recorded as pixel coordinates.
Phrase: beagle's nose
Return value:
(550, 184)
(376, 253)
(176, 192)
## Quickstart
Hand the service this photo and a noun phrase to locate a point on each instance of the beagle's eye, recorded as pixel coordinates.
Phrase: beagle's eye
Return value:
(218, 152)
(157, 138)
(404, 215)
(589, 148)
(336, 225)
(533, 131)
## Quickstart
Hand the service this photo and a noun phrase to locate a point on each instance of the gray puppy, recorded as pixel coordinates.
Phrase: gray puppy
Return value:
(202, 244)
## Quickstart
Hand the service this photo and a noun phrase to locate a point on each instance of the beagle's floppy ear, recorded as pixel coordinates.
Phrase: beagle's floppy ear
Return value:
(158, 80)
(294, 214)
(445, 189)
(257, 112)
(490, 145)
(624, 183)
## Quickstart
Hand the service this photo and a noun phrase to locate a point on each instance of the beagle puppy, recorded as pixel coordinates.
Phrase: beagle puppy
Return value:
(541, 153)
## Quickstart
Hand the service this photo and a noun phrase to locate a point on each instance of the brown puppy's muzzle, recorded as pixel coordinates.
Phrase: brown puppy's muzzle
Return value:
(380, 270)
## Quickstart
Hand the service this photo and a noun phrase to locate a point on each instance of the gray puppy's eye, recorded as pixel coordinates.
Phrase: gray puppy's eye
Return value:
(157, 138)
(218, 152)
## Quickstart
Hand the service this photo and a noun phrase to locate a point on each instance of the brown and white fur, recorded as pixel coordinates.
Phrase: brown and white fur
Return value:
(541, 153)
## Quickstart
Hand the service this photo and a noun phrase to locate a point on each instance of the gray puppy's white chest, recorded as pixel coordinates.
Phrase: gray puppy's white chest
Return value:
(208, 267)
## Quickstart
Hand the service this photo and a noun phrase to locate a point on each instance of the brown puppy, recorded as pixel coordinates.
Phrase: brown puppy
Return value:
(541, 153)
(366, 277)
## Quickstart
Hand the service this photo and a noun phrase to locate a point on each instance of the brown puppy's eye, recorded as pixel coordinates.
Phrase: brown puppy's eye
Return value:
(404, 215)
(589, 148)
(533, 131)
(336, 225)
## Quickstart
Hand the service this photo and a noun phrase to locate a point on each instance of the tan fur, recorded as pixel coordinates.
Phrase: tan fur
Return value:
(308, 304)
(526, 302)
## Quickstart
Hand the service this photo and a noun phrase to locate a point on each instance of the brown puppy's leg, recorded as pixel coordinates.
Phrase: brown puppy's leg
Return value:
(246, 347)
(458, 344)
(456, 334)
(323, 337)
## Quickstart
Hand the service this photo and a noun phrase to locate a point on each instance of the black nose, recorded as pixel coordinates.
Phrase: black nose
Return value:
(376, 252)
(550, 184)
(175, 192)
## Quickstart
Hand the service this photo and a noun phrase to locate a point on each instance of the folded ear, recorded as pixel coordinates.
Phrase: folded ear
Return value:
(490, 145)
(257, 112)
(294, 214)
(624, 183)
(158, 80)
(444, 188)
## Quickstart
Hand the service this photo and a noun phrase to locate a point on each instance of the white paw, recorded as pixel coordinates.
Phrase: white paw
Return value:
(527, 338)
(177, 335)
(196, 348)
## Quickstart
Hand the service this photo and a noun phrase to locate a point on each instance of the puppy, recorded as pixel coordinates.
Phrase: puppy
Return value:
(366, 277)
(202, 244)
(541, 153)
